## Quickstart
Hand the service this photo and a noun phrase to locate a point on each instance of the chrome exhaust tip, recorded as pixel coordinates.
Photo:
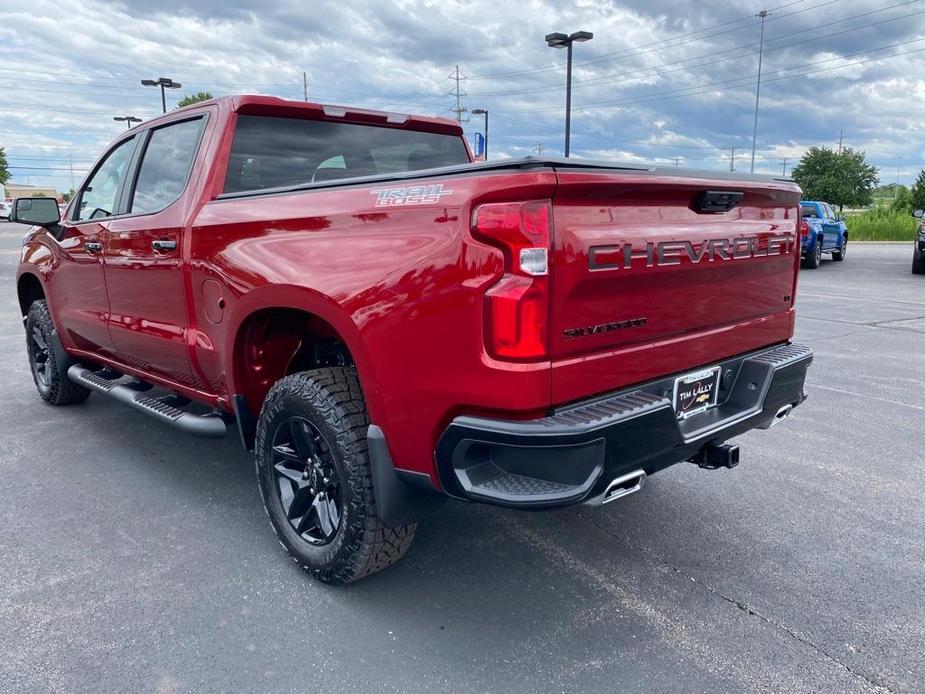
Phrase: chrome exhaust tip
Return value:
(781, 415)
(621, 486)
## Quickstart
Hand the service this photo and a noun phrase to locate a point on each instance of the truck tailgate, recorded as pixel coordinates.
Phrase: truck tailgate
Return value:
(646, 283)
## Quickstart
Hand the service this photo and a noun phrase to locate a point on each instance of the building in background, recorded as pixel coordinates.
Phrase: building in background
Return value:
(20, 190)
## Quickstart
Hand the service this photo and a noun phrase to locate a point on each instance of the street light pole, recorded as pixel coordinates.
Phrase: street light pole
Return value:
(558, 40)
(163, 83)
(483, 112)
(568, 100)
(128, 120)
(764, 15)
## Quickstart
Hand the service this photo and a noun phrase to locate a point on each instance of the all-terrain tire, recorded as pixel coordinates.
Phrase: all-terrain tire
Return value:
(839, 254)
(811, 262)
(49, 375)
(331, 403)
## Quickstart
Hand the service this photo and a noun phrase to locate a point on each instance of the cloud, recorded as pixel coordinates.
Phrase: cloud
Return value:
(661, 80)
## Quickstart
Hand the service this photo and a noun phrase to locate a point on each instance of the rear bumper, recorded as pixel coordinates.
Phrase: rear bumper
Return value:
(575, 454)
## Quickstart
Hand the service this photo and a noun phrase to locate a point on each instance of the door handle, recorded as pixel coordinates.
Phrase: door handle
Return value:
(93, 246)
(164, 245)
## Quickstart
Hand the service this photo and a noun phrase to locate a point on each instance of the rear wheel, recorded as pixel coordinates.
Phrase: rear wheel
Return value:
(49, 375)
(315, 479)
(814, 259)
(839, 253)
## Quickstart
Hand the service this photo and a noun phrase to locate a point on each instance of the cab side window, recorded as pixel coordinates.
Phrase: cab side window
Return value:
(100, 195)
(165, 166)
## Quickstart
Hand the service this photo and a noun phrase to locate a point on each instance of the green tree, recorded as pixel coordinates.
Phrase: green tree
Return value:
(190, 99)
(844, 178)
(4, 167)
(66, 197)
(918, 192)
(902, 202)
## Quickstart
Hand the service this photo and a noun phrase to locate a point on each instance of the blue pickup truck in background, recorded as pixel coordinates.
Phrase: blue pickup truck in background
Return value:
(822, 231)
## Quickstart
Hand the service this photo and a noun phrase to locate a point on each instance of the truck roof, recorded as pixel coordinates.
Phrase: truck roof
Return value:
(258, 104)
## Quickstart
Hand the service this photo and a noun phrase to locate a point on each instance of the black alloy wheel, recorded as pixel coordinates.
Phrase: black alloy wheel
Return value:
(307, 480)
(47, 360)
(39, 357)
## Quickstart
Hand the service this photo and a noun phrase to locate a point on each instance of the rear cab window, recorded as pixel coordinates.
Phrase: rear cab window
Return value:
(810, 211)
(274, 152)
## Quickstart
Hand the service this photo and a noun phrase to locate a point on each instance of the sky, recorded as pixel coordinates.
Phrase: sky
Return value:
(662, 82)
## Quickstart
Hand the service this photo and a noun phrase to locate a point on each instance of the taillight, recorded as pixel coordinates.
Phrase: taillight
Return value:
(804, 228)
(517, 306)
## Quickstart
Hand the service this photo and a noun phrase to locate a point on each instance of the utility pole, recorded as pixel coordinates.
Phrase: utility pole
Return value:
(841, 137)
(70, 163)
(764, 15)
(305, 86)
(539, 149)
(784, 170)
(732, 158)
(458, 109)
(677, 161)
(898, 167)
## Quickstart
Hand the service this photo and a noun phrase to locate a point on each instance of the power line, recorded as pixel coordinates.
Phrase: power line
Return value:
(659, 70)
(654, 46)
(702, 88)
(55, 160)
(44, 168)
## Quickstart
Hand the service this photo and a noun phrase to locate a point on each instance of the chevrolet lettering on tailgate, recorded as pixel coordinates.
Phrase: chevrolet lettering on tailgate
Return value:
(624, 256)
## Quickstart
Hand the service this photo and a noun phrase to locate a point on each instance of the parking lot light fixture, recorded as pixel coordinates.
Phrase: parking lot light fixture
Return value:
(163, 83)
(559, 40)
(128, 120)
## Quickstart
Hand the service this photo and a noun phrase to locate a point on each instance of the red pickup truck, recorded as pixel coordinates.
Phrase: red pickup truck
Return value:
(387, 324)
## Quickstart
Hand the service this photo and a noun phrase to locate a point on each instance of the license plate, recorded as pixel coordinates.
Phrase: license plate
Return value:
(696, 392)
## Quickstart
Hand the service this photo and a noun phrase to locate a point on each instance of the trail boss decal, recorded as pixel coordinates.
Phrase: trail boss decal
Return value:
(410, 195)
(625, 257)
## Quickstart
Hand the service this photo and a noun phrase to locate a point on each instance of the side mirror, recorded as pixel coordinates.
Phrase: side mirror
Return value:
(41, 212)
(918, 213)
(839, 218)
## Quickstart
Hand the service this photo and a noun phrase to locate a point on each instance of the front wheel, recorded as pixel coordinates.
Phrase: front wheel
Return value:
(49, 375)
(839, 253)
(918, 263)
(315, 479)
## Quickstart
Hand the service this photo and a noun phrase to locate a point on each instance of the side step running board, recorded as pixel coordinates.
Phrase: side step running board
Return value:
(167, 408)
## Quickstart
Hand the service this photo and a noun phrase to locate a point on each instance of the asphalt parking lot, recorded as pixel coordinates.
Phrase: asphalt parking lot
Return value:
(135, 559)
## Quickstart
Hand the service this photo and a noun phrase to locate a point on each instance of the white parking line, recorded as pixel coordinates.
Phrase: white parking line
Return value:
(868, 396)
